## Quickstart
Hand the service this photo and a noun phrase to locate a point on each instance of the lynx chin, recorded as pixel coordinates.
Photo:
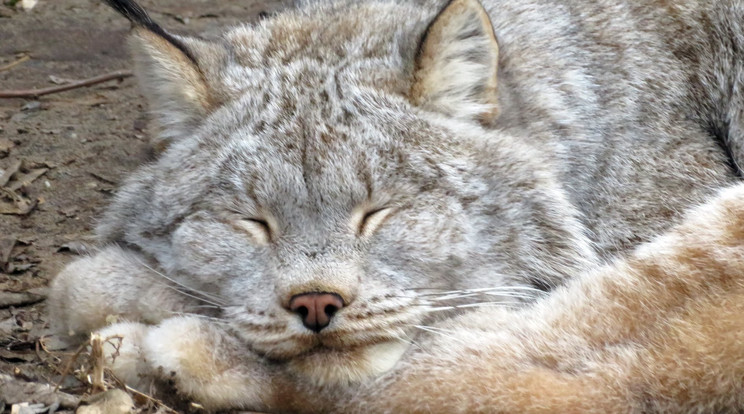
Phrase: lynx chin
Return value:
(393, 206)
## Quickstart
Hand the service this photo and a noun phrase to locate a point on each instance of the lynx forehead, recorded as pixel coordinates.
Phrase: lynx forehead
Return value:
(339, 177)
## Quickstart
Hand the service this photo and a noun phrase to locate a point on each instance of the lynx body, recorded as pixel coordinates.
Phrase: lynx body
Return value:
(344, 180)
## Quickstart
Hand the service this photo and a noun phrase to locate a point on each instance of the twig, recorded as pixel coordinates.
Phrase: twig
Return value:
(150, 398)
(68, 365)
(36, 349)
(35, 93)
(97, 362)
(10, 65)
(56, 359)
(121, 385)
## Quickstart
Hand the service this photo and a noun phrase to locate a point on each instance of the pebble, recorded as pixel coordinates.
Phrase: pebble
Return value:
(114, 401)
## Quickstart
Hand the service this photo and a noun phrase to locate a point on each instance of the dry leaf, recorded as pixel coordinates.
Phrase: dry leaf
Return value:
(8, 299)
(28, 178)
(9, 172)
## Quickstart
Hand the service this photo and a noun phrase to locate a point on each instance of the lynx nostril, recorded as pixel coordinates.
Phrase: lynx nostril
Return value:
(316, 309)
(331, 310)
(303, 311)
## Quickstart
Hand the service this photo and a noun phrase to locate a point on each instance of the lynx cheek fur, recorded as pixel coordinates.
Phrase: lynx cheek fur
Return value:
(341, 177)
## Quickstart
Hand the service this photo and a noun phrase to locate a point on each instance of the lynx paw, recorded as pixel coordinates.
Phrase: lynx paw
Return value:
(204, 362)
(123, 354)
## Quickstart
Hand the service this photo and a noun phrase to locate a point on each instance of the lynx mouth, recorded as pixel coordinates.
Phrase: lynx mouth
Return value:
(325, 365)
(354, 347)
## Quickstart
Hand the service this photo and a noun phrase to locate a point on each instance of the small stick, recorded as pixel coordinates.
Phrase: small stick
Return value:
(35, 93)
(97, 361)
(68, 365)
(56, 359)
(10, 65)
(148, 397)
(36, 349)
(151, 398)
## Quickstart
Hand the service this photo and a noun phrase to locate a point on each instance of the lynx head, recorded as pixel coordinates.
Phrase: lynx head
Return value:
(327, 170)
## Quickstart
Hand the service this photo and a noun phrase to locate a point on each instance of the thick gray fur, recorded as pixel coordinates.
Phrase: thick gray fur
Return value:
(610, 119)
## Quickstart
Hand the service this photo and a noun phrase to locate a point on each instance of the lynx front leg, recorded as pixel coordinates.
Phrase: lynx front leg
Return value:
(114, 284)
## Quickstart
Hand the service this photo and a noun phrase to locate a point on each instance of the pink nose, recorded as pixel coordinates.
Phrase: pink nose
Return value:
(316, 309)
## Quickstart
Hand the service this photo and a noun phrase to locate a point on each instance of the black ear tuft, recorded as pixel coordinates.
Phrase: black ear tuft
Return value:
(132, 11)
(139, 17)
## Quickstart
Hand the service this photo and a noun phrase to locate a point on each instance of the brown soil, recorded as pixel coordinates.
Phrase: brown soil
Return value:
(74, 148)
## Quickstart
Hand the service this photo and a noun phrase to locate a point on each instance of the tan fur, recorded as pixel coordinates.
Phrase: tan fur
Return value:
(660, 331)
(495, 190)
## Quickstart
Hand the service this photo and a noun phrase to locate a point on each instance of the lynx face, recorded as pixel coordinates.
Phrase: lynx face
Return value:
(348, 208)
(314, 191)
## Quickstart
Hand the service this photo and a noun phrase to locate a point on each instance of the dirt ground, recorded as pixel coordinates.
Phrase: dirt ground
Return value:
(62, 156)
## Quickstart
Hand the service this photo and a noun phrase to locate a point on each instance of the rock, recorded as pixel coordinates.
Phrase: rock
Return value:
(31, 106)
(26, 408)
(114, 401)
(28, 4)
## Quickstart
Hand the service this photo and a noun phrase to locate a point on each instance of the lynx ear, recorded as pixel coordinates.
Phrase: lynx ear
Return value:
(173, 79)
(173, 72)
(457, 62)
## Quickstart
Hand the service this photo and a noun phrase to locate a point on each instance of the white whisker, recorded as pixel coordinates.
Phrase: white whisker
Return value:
(205, 317)
(175, 288)
(211, 299)
(407, 339)
(491, 304)
(491, 290)
(438, 332)
(474, 305)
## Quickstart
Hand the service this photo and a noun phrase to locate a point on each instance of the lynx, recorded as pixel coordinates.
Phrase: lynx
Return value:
(420, 206)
